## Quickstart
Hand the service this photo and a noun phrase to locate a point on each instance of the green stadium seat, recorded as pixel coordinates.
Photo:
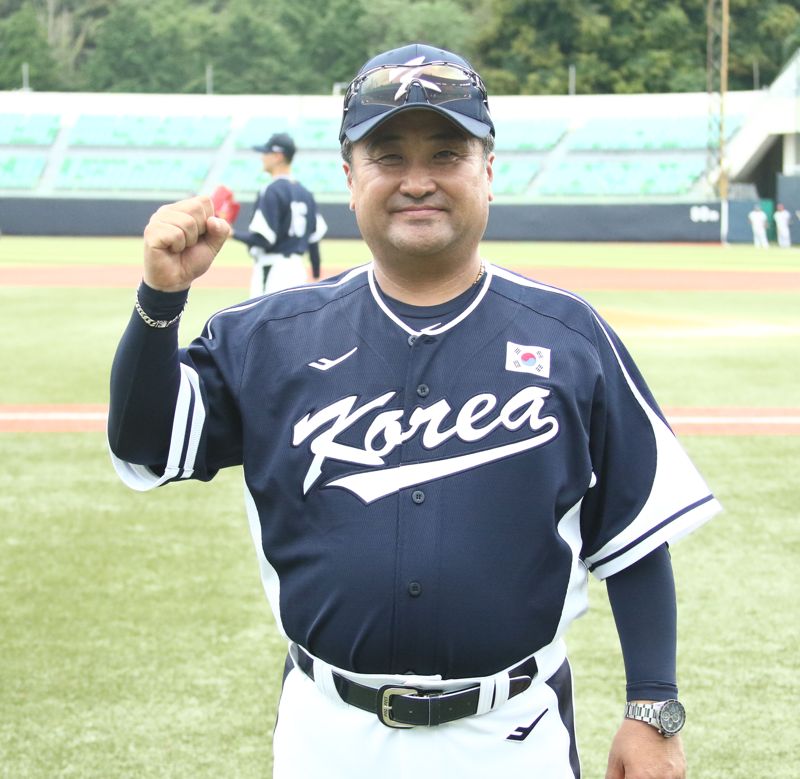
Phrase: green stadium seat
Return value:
(316, 132)
(322, 175)
(243, 176)
(258, 128)
(19, 171)
(513, 177)
(529, 135)
(312, 132)
(28, 129)
(645, 133)
(167, 174)
(177, 132)
(604, 178)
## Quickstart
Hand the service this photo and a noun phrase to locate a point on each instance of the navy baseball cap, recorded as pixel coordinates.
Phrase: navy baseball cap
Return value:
(416, 76)
(281, 142)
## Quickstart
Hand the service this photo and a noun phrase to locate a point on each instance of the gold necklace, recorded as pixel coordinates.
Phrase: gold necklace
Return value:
(479, 276)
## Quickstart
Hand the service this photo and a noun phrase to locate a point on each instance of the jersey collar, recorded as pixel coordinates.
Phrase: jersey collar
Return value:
(433, 329)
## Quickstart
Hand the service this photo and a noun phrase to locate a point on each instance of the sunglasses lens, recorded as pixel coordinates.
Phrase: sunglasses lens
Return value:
(441, 83)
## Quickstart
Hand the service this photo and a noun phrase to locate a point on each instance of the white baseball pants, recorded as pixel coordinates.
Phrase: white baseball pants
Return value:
(531, 735)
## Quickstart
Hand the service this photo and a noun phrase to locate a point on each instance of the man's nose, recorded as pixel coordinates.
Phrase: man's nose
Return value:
(417, 181)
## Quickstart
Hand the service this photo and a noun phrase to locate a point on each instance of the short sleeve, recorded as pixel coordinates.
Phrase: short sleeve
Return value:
(645, 490)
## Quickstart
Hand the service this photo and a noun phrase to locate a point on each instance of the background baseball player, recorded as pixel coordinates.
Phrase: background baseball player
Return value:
(285, 223)
(782, 218)
(758, 224)
(436, 453)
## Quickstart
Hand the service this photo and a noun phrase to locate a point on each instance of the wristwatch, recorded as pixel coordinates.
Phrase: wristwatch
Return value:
(667, 717)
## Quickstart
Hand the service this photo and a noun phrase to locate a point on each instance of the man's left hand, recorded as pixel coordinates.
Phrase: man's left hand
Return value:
(639, 751)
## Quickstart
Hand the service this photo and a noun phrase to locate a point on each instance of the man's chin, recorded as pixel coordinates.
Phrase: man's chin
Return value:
(421, 242)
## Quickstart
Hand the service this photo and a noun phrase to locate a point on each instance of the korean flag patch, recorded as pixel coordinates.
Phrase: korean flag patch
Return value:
(528, 359)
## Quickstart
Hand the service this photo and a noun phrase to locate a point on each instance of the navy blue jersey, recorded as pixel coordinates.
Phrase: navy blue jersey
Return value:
(285, 219)
(430, 501)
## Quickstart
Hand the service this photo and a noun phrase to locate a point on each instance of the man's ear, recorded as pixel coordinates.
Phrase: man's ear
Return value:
(348, 172)
(490, 174)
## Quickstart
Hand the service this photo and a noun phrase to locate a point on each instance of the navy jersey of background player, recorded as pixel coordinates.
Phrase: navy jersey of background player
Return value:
(486, 460)
(284, 219)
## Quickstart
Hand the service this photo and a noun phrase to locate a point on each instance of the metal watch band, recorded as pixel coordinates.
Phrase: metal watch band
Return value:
(651, 713)
(645, 712)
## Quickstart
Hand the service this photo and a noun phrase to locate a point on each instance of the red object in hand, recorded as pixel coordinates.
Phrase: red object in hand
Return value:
(225, 205)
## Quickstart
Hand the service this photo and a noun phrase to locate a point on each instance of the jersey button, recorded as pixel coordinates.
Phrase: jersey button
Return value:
(414, 589)
(418, 496)
(412, 340)
(423, 390)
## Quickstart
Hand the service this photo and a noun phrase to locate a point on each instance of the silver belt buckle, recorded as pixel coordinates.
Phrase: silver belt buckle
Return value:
(385, 695)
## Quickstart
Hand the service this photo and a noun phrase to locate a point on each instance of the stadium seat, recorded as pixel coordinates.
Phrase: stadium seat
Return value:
(644, 133)
(243, 176)
(19, 171)
(538, 135)
(603, 177)
(322, 174)
(316, 132)
(157, 174)
(179, 132)
(512, 177)
(258, 128)
(311, 132)
(28, 129)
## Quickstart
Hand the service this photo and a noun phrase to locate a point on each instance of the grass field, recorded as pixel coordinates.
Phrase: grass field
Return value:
(136, 640)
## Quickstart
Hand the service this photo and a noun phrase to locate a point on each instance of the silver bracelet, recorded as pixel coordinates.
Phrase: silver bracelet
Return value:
(149, 321)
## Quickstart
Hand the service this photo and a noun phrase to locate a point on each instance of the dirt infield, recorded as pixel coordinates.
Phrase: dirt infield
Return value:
(569, 278)
(734, 420)
(685, 421)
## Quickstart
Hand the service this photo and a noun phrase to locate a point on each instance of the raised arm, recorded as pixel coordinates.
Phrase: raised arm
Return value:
(180, 243)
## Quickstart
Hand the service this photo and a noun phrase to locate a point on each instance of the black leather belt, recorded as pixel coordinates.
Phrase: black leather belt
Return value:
(407, 707)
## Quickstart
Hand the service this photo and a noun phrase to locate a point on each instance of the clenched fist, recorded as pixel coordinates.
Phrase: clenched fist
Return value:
(181, 241)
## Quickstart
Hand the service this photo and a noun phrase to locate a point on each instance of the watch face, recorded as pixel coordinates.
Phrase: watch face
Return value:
(671, 717)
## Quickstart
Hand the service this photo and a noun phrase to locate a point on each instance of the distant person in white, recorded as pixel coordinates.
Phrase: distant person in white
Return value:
(758, 221)
(782, 218)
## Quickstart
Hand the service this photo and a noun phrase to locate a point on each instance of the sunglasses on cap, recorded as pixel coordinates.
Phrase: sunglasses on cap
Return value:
(390, 85)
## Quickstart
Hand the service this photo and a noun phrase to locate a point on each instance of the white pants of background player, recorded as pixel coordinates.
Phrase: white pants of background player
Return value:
(273, 272)
(319, 735)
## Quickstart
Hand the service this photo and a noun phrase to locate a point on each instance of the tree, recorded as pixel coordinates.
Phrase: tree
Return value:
(152, 50)
(253, 53)
(628, 45)
(332, 48)
(23, 40)
(70, 25)
(387, 24)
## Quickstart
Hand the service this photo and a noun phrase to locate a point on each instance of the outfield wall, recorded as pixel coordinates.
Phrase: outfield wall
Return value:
(679, 222)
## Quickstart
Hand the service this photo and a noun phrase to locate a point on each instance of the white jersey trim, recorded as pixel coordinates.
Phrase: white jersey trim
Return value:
(322, 228)
(269, 576)
(679, 499)
(576, 597)
(435, 329)
(302, 288)
(258, 224)
(186, 433)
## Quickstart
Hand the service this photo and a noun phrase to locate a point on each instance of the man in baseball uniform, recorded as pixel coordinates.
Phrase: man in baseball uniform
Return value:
(758, 223)
(782, 218)
(285, 223)
(437, 452)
